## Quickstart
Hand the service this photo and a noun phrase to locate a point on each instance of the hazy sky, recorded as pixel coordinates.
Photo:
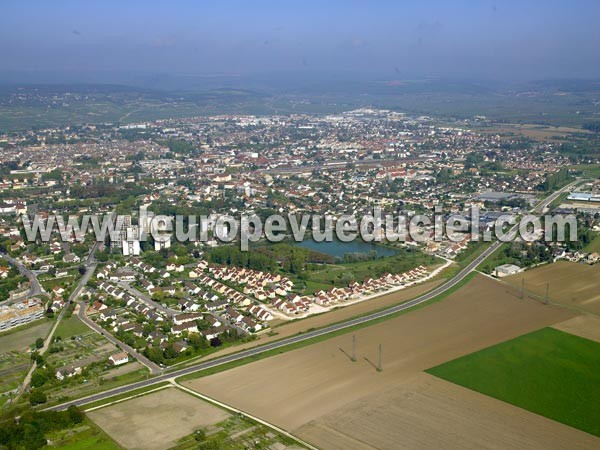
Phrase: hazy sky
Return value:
(501, 40)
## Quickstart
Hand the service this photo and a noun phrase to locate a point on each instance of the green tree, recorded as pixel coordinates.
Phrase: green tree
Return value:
(38, 379)
(37, 397)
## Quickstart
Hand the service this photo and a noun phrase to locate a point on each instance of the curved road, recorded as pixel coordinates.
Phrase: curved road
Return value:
(35, 288)
(311, 334)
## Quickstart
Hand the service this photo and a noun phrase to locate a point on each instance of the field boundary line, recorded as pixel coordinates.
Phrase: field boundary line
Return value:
(114, 402)
(239, 411)
(542, 299)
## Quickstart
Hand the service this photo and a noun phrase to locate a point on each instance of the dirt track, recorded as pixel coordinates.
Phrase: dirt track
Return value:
(320, 381)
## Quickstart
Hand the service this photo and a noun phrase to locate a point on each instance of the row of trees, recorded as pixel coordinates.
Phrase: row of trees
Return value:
(592, 126)
(233, 256)
(555, 180)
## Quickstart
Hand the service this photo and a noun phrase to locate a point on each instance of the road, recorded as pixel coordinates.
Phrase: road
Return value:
(90, 264)
(294, 339)
(34, 285)
(154, 368)
(541, 207)
(146, 299)
(89, 270)
(453, 282)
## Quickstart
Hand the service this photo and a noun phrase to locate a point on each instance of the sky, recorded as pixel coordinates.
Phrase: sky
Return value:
(501, 40)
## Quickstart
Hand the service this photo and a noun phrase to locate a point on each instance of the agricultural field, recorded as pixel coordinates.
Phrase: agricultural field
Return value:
(186, 422)
(14, 356)
(133, 423)
(318, 393)
(593, 246)
(571, 284)
(83, 437)
(22, 338)
(586, 326)
(428, 412)
(76, 343)
(549, 372)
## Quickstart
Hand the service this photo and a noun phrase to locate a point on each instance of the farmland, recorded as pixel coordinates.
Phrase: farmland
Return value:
(185, 422)
(86, 436)
(14, 358)
(23, 337)
(585, 326)
(571, 284)
(133, 423)
(428, 412)
(548, 372)
(319, 385)
(75, 343)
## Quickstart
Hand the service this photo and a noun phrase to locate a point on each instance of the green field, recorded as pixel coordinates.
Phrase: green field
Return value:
(71, 326)
(24, 336)
(87, 436)
(593, 246)
(588, 170)
(548, 372)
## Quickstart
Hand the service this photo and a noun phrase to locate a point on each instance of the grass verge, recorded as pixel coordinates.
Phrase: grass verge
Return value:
(134, 393)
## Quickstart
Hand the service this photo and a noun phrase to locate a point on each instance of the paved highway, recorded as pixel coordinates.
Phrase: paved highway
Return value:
(312, 334)
(541, 207)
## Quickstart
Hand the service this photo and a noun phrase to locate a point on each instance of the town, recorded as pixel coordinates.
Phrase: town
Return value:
(126, 308)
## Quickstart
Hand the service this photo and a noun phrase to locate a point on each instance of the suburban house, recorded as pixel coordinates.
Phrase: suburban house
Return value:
(190, 327)
(68, 372)
(186, 317)
(118, 358)
(122, 275)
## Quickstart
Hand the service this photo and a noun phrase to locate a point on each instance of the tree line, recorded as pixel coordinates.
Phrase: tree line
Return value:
(29, 431)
